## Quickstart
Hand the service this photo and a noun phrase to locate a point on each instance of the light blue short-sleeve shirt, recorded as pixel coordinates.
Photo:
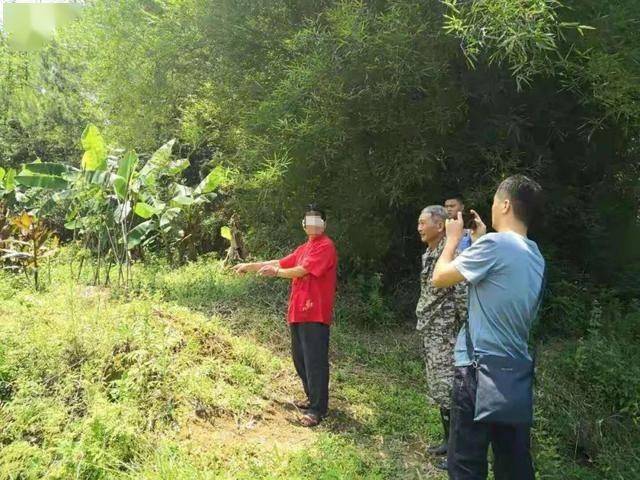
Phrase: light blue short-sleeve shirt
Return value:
(505, 272)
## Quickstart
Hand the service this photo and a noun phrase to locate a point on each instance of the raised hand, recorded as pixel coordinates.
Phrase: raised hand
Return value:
(455, 228)
(479, 229)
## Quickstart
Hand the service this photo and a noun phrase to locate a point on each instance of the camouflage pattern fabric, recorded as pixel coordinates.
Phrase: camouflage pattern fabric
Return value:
(441, 312)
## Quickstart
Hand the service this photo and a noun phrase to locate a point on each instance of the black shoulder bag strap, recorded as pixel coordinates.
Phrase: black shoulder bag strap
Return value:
(496, 375)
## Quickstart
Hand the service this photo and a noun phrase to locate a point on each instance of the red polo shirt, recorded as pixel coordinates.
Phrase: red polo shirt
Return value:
(312, 296)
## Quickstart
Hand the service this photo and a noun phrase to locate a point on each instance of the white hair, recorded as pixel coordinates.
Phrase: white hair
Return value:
(435, 212)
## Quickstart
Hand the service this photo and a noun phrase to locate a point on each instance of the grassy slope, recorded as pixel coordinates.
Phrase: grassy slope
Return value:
(191, 379)
(94, 386)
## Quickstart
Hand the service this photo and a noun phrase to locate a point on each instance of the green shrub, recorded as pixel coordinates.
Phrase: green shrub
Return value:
(360, 301)
(589, 397)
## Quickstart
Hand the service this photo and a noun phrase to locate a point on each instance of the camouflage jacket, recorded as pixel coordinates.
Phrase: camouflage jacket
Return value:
(442, 308)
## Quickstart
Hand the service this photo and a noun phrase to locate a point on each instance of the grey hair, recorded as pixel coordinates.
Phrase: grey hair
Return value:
(435, 212)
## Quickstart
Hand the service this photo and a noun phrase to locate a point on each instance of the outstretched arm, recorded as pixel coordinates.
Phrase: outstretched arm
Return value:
(276, 271)
(253, 267)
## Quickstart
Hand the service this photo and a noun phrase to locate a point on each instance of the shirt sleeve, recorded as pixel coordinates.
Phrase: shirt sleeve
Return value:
(476, 262)
(290, 260)
(320, 259)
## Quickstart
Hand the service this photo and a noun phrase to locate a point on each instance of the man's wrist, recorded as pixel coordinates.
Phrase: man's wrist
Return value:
(449, 249)
(453, 241)
(476, 235)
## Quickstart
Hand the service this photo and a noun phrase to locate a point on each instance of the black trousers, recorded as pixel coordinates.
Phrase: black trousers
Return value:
(310, 352)
(469, 440)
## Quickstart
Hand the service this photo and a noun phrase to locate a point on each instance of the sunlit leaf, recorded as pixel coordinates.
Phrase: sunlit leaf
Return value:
(126, 167)
(10, 180)
(158, 160)
(225, 232)
(182, 200)
(177, 166)
(95, 155)
(144, 210)
(216, 178)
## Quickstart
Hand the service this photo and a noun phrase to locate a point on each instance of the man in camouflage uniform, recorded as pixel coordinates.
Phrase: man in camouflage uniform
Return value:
(440, 313)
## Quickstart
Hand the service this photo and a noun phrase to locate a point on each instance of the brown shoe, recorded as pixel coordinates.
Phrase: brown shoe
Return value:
(309, 420)
(302, 404)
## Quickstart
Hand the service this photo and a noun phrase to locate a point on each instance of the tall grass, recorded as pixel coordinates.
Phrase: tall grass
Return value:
(96, 384)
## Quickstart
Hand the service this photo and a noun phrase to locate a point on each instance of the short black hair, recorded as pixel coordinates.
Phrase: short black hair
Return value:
(525, 195)
(314, 208)
(455, 196)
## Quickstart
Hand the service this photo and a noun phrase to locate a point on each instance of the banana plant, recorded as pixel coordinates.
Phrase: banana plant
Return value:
(7, 182)
(32, 244)
(116, 206)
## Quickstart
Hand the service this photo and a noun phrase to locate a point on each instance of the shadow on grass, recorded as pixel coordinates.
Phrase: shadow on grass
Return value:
(377, 381)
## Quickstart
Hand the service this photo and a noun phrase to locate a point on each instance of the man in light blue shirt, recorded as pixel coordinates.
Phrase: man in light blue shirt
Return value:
(505, 271)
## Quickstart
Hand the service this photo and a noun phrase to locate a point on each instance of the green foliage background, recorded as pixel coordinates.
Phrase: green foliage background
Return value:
(376, 109)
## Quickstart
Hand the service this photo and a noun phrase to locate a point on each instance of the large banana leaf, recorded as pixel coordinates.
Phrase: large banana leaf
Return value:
(122, 212)
(169, 216)
(42, 175)
(158, 160)
(56, 169)
(146, 211)
(182, 201)
(126, 168)
(98, 177)
(95, 149)
(137, 234)
(10, 180)
(216, 178)
(177, 166)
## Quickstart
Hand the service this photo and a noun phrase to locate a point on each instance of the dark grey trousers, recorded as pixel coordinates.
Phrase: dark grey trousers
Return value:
(310, 352)
(469, 440)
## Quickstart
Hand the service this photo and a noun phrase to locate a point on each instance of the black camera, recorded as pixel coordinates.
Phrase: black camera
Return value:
(469, 220)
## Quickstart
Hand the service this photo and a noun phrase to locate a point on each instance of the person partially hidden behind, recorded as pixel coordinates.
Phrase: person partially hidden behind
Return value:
(440, 313)
(312, 268)
(505, 272)
(454, 204)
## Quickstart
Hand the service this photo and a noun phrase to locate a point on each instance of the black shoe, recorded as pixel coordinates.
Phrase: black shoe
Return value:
(442, 465)
(438, 450)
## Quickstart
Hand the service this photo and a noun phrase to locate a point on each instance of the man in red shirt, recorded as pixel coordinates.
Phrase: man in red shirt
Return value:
(312, 268)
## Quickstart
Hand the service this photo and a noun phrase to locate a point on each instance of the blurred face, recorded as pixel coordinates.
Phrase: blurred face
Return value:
(453, 206)
(313, 224)
(428, 228)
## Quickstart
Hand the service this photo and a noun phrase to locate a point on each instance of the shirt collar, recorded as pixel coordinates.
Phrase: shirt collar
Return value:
(316, 238)
(436, 252)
